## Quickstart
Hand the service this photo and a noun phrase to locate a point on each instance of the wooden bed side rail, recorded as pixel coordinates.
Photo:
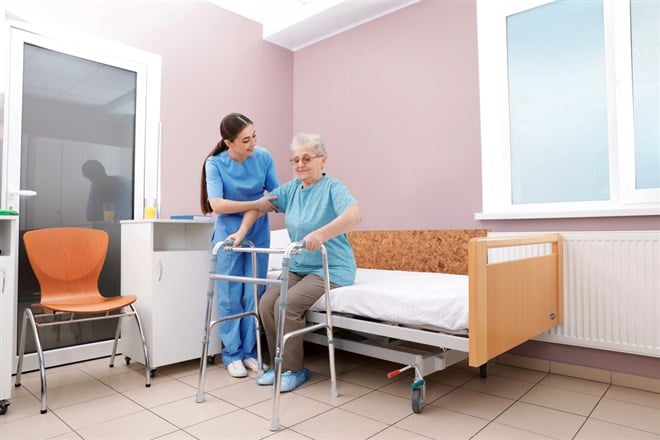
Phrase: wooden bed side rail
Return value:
(512, 301)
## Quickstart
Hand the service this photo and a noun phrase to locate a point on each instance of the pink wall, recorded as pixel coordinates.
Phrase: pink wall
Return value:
(397, 100)
(213, 62)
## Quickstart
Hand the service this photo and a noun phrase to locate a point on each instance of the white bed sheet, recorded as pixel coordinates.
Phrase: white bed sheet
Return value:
(419, 299)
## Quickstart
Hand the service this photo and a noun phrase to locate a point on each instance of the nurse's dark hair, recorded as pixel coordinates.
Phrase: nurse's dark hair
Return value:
(230, 127)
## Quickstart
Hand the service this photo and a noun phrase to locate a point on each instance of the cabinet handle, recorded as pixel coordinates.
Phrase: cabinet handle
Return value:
(4, 275)
(160, 270)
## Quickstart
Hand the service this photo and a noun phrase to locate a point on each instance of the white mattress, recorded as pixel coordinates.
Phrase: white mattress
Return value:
(420, 299)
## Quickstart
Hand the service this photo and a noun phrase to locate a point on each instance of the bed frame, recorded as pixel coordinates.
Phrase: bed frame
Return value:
(510, 302)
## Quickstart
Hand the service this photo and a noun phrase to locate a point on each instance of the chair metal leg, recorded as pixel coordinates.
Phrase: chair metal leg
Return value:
(29, 316)
(21, 351)
(147, 364)
(114, 345)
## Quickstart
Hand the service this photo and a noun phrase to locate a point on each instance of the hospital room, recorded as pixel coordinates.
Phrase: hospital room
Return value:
(484, 255)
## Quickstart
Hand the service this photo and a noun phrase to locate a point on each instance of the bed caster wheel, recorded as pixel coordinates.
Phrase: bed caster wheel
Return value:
(210, 359)
(127, 359)
(417, 403)
(4, 406)
(152, 373)
(483, 371)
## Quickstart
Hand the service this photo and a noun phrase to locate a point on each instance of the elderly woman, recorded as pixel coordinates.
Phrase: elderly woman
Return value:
(319, 210)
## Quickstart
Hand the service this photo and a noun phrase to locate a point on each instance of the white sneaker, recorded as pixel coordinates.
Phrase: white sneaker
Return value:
(236, 369)
(253, 364)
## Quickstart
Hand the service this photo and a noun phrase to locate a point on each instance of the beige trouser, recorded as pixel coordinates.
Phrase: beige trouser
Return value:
(303, 292)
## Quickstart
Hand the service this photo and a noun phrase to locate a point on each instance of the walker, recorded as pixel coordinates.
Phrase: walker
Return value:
(292, 249)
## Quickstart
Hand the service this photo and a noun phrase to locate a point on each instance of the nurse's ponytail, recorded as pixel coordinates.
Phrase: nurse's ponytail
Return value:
(230, 127)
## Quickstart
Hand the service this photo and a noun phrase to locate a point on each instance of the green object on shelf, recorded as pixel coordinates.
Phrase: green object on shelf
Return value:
(8, 212)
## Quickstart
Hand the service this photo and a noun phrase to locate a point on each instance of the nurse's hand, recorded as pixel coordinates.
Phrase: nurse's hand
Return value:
(264, 204)
(237, 236)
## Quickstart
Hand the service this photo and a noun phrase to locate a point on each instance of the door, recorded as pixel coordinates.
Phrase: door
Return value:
(78, 140)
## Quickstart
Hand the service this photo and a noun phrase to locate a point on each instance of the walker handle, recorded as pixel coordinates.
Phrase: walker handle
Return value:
(224, 244)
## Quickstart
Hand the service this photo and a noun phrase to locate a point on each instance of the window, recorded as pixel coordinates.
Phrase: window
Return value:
(570, 108)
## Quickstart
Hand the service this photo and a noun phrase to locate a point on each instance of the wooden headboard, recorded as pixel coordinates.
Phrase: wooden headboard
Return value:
(444, 251)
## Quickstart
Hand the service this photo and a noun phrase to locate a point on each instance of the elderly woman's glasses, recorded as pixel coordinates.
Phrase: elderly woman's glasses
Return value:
(304, 159)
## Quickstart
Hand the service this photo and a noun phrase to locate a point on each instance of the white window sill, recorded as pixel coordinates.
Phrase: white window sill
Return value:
(547, 214)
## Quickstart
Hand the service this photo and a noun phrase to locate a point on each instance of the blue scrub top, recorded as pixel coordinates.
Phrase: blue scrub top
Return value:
(241, 181)
(309, 209)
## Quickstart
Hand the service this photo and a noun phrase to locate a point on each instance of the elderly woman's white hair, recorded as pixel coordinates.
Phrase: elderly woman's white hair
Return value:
(307, 140)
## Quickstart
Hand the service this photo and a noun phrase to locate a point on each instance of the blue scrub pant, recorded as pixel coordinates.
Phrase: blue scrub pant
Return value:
(238, 336)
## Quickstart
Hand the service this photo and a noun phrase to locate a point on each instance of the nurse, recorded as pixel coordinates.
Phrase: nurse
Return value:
(235, 177)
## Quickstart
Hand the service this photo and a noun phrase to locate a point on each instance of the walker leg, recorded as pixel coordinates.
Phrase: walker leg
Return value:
(205, 346)
(331, 356)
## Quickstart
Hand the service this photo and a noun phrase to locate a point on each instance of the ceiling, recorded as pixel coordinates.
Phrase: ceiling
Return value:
(295, 24)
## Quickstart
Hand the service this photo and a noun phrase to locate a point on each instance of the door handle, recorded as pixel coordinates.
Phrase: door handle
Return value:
(12, 201)
(24, 193)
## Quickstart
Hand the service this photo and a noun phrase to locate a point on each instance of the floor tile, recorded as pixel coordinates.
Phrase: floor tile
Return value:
(287, 434)
(632, 415)
(243, 393)
(588, 373)
(214, 379)
(55, 378)
(598, 430)
(499, 386)
(130, 380)
(631, 395)
(485, 406)
(380, 406)
(344, 362)
(575, 384)
(370, 377)
(293, 408)
(77, 393)
(101, 367)
(38, 426)
(239, 424)
(524, 362)
(440, 423)
(89, 400)
(510, 372)
(187, 412)
(142, 425)
(402, 388)
(540, 420)
(161, 393)
(18, 391)
(394, 433)
(322, 392)
(497, 431)
(177, 435)
(561, 399)
(20, 407)
(452, 376)
(182, 369)
(339, 424)
(97, 411)
(638, 382)
(68, 436)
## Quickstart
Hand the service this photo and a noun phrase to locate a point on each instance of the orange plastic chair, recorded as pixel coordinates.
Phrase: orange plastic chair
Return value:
(67, 263)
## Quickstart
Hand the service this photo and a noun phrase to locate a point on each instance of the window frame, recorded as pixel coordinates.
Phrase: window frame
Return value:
(625, 199)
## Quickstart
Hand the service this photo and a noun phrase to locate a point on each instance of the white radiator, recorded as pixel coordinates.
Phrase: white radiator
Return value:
(611, 290)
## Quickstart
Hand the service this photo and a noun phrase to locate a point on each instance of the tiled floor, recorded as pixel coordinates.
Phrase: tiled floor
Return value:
(91, 401)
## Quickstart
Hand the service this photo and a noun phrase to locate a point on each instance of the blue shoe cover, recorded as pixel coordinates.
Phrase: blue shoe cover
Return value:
(291, 381)
(267, 378)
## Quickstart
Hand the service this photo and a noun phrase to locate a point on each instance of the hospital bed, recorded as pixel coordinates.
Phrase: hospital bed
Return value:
(430, 299)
